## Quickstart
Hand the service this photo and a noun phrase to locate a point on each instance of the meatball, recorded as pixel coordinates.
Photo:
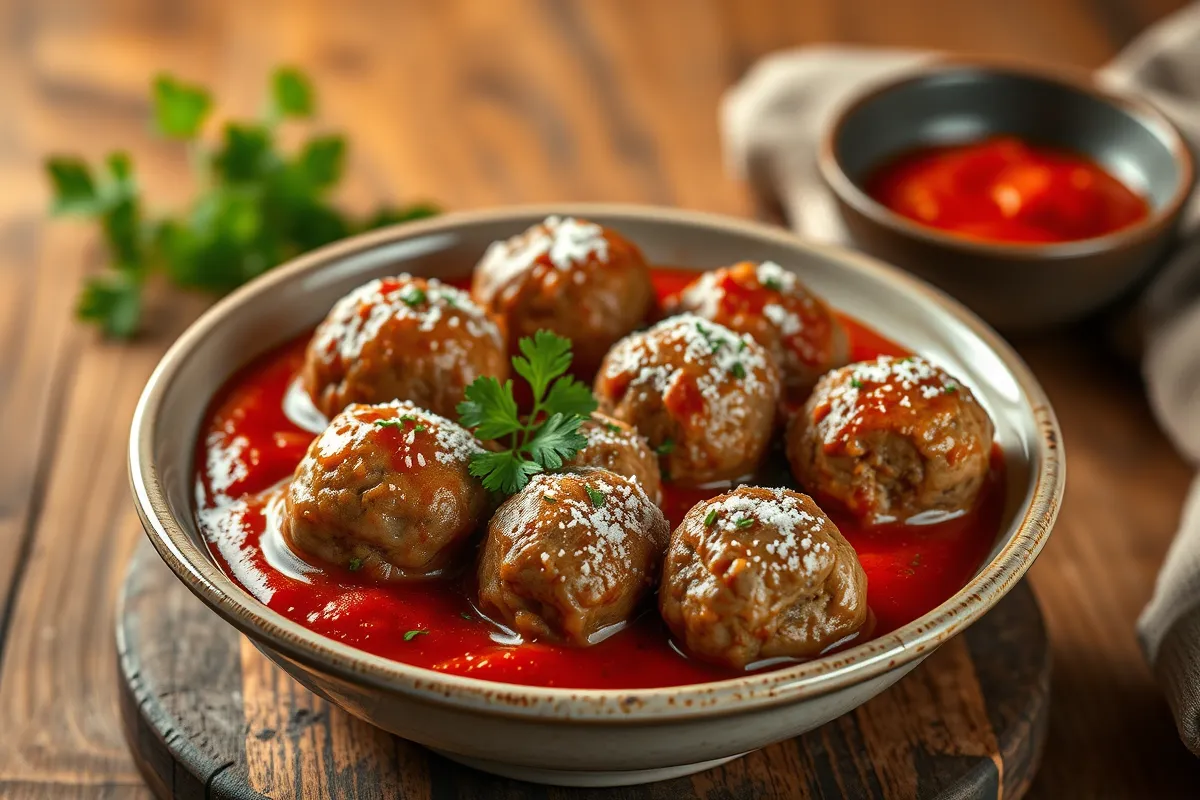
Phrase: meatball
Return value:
(568, 276)
(402, 338)
(616, 447)
(570, 556)
(760, 573)
(703, 396)
(891, 439)
(772, 305)
(386, 490)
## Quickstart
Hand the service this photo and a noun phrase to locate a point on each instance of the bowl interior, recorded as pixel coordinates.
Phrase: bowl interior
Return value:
(962, 103)
(293, 299)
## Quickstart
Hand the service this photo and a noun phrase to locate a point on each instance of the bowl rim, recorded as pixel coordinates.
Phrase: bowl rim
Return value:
(848, 190)
(292, 642)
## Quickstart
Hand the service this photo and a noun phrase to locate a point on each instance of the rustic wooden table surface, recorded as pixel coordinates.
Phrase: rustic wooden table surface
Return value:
(477, 104)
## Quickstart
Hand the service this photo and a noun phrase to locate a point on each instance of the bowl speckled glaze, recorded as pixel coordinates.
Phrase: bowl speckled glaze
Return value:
(588, 737)
(1013, 286)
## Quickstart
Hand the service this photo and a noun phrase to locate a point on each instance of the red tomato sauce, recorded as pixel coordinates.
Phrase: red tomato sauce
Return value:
(249, 445)
(1006, 190)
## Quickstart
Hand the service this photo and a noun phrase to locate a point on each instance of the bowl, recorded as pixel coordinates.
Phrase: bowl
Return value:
(1013, 286)
(571, 736)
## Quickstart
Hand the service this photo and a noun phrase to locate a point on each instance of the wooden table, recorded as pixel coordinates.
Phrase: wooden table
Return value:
(477, 104)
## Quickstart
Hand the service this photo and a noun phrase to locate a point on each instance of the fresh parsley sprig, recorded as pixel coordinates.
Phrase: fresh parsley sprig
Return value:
(256, 206)
(543, 439)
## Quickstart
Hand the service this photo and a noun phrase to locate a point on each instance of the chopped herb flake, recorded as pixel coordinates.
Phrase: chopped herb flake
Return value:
(738, 370)
(466, 616)
(596, 497)
(711, 519)
(773, 284)
(387, 423)
(410, 635)
(419, 428)
(414, 296)
(612, 427)
(355, 564)
(408, 418)
(743, 523)
(951, 388)
(856, 383)
(666, 448)
(549, 499)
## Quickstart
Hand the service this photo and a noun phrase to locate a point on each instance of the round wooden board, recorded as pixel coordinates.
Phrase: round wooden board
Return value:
(206, 715)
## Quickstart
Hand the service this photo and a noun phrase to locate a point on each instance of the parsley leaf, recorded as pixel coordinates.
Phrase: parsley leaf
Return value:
(568, 396)
(543, 358)
(666, 448)
(73, 185)
(179, 108)
(743, 523)
(113, 301)
(504, 472)
(738, 370)
(557, 439)
(710, 519)
(355, 564)
(388, 423)
(410, 635)
(291, 93)
(548, 435)
(490, 408)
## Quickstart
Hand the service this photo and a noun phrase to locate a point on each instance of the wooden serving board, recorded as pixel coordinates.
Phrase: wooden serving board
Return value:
(206, 715)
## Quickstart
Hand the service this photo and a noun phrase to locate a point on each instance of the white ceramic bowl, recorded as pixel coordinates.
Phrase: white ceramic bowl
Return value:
(588, 737)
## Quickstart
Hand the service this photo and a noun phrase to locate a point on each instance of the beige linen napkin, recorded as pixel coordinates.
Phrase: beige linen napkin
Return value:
(771, 123)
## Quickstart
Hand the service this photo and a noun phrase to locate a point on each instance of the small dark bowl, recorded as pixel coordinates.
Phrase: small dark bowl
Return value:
(1013, 286)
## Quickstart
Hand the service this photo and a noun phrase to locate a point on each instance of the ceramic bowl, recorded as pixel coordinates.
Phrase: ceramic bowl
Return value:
(586, 737)
(1013, 286)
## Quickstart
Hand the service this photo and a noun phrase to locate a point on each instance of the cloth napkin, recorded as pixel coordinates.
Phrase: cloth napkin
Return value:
(771, 123)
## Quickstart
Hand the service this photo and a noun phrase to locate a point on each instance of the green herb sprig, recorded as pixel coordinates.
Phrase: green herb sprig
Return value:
(256, 206)
(545, 438)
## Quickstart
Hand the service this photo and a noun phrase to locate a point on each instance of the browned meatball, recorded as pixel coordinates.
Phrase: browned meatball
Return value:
(760, 573)
(569, 276)
(771, 304)
(703, 396)
(570, 556)
(402, 338)
(891, 439)
(385, 489)
(617, 447)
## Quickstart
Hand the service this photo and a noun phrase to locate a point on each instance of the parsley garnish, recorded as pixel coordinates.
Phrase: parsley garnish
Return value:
(449, 300)
(408, 418)
(741, 345)
(466, 616)
(597, 497)
(711, 519)
(856, 383)
(950, 388)
(773, 284)
(743, 523)
(258, 205)
(355, 564)
(666, 448)
(548, 435)
(387, 423)
(419, 429)
(612, 427)
(738, 370)
(549, 499)
(414, 296)
(410, 635)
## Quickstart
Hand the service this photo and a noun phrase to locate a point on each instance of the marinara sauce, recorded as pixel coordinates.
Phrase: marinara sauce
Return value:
(1007, 190)
(249, 445)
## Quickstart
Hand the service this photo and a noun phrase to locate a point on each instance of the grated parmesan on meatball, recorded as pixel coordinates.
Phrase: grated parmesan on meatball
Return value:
(771, 304)
(703, 396)
(386, 490)
(761, 573)
(571, 555)
(617, 447)
(566, 275)
(402, 338)
(891, 439)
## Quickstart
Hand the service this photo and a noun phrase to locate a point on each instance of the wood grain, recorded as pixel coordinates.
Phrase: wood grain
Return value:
(205, 715)
(477, 103)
